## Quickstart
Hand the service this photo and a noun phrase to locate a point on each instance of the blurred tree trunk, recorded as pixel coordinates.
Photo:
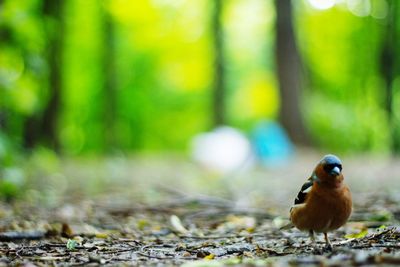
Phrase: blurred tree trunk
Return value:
(54, 10)
(31, 131)
(289, 77)
(219, 72)
(110, 81)
(43, 127)
(5, 37)
(390, 68)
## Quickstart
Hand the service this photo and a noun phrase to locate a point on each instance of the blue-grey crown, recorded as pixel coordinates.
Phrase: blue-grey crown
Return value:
(331, 160)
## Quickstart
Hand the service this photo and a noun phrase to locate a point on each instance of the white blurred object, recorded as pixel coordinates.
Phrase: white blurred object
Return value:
(225, 150)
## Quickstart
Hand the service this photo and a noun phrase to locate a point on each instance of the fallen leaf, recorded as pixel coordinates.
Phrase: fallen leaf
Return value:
(177, 224)
(362, 233)
(209, 257)
(101, 235)
(142, 224)
(66, 230)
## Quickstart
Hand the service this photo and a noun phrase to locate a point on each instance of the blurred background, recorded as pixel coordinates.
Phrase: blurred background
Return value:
(100, 91)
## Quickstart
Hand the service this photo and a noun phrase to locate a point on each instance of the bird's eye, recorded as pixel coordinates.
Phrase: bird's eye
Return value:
(329, 167)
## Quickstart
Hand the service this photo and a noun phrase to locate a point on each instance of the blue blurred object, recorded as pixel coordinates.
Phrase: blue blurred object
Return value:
(271, 144)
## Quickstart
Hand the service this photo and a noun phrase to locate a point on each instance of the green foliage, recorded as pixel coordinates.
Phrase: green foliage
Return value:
(11, 183)
(345, 97)
(163, 70)
(12, 177)
(22, 64)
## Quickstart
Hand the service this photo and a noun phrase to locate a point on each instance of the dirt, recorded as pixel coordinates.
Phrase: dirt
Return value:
(199, 219)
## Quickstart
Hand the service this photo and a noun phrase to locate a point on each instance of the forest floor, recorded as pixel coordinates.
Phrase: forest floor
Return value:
(168, 211)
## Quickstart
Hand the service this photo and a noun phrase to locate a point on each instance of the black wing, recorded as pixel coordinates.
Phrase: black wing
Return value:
(301, 196)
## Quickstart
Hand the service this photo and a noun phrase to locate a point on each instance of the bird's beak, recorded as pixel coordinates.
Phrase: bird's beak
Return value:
(335, 171)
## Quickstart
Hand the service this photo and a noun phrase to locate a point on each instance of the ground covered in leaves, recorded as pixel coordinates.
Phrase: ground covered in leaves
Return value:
(196, 229)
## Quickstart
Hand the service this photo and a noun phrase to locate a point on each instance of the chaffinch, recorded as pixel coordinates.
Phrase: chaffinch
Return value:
(324, 201)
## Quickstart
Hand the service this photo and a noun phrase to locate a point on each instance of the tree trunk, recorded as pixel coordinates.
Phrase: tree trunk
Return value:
(289, 77)
(110, 81)
(219, 72)
(5, 37)
(42, 128)
(390, 70)
(54, 10)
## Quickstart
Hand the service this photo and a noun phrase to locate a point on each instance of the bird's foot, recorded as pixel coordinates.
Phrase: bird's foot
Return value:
(328, 247)
(316, 250)
(320, 250)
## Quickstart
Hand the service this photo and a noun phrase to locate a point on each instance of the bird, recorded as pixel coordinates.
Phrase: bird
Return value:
(324, 202)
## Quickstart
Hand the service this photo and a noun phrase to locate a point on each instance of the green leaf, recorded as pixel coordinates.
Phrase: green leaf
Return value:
(360, 234)
(71, 244)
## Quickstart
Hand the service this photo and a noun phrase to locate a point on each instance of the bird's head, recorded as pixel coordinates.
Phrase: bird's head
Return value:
(329, 170)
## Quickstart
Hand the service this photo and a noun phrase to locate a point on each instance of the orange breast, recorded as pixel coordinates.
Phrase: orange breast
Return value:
(324, 210)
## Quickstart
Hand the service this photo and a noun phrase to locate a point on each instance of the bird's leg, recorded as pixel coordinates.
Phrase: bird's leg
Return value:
(328, 245)
(313, 244)
(312, 238)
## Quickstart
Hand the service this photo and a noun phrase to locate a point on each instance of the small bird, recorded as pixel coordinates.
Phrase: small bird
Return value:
(324, 201)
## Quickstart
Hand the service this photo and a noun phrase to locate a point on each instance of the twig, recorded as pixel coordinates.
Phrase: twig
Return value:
(117, 251)
(154, 257)
(143, 251)
(28, 235)
(376, 235)
(386, 245)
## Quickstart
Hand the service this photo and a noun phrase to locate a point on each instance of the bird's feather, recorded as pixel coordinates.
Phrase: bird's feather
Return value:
(301, 196)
